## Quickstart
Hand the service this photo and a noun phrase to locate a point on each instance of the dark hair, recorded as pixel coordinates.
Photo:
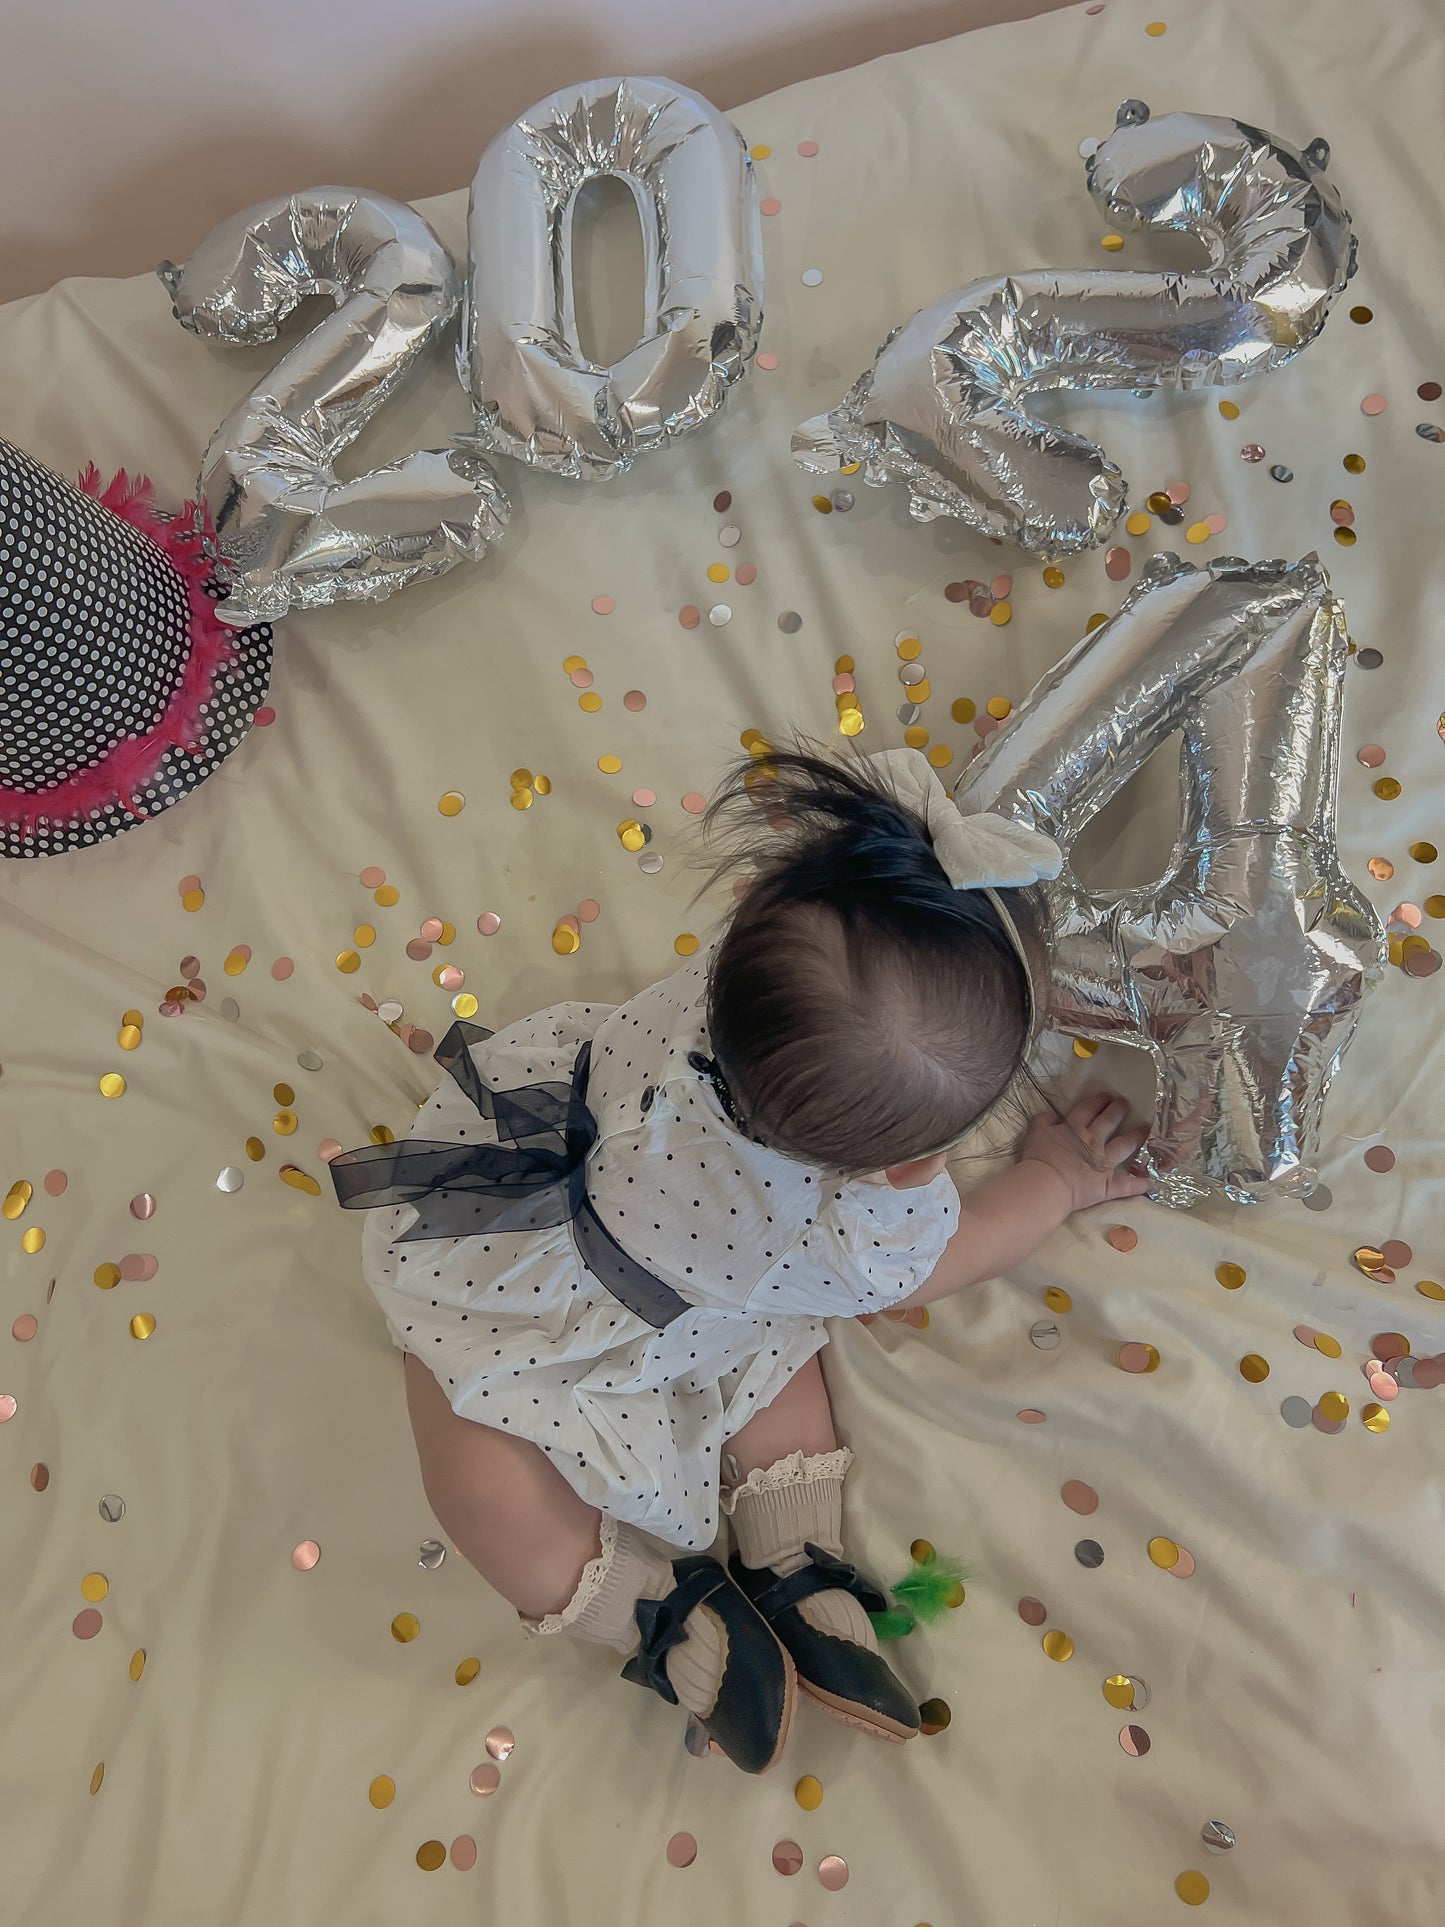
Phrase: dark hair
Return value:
(863, 1012)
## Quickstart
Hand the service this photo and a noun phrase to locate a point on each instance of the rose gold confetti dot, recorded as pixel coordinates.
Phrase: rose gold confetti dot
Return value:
(449, 977)
(485, 1779)
(25, 1327)
(788, 1857)
(1370, 754)
(809, 148)
(1135, 1357)
(1397, 1253)
(833, 1872)
(464, 1853)
(55, 1183)
(372, 877)
(328, 1149)
(1383, 1386)
(1329, 1426)
(1178, 493)
(282, 968)
(1002, 585)
(1388, 1345)
(132, 1266)
(1406, 913)
(634, 700)
(418, 949)
(603, 605)
(745, 575)
(1135, 1741)
(489, 923)
(681, 1850)
(770, 204)
(1379, 1157)
(1306, 1334)
(305, 1556)
(767, 362)
(694, 803)
(843, 685)
(689, 617)
(1032, 1416)
(644, 799)
(1373, 405)
(1117, 564)
(1183, 1567)
(39, 1476)
(87, 1623)
(501, 1742)
(187, 884)
(1079, 1497)
(1123, 1237)
(420, 1041)
(581, 679)
(589, 910)
(1032, 1612)
(432, 929)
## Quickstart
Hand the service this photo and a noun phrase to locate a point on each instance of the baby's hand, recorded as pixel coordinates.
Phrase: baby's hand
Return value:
(1088, 1151)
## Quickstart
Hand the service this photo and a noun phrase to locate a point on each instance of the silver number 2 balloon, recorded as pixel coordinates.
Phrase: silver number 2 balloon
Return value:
(944, 408)
(288, 531)
(537, 395)
(1242, 970)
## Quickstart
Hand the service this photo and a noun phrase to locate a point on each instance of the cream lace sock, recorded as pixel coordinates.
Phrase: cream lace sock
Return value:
(779, 1509)
(630, 1567)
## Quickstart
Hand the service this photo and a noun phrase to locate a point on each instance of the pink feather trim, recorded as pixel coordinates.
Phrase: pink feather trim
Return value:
(131, 764)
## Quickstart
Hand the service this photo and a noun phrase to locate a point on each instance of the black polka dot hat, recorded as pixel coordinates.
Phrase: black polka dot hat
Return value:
(120, 688)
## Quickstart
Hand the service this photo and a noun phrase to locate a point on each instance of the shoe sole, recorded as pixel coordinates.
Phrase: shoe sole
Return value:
(878, 1725)
(790, 1707)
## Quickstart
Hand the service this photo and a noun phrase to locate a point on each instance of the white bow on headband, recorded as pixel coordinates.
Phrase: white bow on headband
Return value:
(981, 852)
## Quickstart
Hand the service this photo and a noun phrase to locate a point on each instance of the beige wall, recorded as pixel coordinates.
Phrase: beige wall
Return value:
(128, 127)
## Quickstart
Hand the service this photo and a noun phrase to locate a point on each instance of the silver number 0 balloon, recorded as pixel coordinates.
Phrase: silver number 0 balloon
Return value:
(1243, 969)
(944, 408)
(288, 531)
(538, 397)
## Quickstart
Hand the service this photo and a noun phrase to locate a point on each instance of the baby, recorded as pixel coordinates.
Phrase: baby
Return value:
(609, 1247)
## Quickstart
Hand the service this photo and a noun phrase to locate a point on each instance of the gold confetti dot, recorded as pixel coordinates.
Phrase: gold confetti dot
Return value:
(521, 799)
(97, 1777)
(193, 899)
(1330, 1347)
(1053, 578)
(405, 1627)
(1355, 464)
(1139, 523)
(921, 1550)
(283, 1094)
(1084, 1047)
(430, 1855)
(934, 1717)
(1058, 1645)
(1164, 1553)
(1111, 243)
(451, 803)
(761, 152)
(1057, 1299)
(1374, 1418)
(255, 1149)
(851, 724)
(386, 896)
(809, 1793)
(1159, 502)
(236, 961)
(1229, 410)
(920, 692)
(1230, 1276)
(284, 1123)
(1192, 1888)
(590, 701)
(998, 707)
(915, 736)
(112, 1085)
(964, 710)
(1198, 532)
(1335, 1407)
(1387, 788)
(300, 1180)
(609, 765)
(364, 936)
(467, 1671)
(630, 835)
(129, 1036)
(1254, 1368)
(565, 940)
(142, 1325)
(348, 961)
(719, 571)
(909, 650)
(465, 1005)
(94, 1587)
(33, 1240)
(1155, 28)
(106, 1276)
(17, 1197)
(1119, 1691)
(382, 1134)
(1095, 621)
(940, 756)
(685, 945)
(1424, 852)
(137, 1662)
(543, 786)
(1001, 613)
(1428, 1288)
(382, 1790)
(571, 664)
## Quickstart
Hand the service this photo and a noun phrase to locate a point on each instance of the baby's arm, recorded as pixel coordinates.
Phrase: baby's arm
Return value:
(1066, 1165)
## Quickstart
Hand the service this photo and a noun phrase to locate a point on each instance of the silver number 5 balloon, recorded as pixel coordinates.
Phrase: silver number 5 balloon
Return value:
(288, 530)
(944, 408)
(1242, 970)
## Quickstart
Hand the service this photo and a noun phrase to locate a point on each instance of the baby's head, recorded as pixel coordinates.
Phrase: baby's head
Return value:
(863, 1011)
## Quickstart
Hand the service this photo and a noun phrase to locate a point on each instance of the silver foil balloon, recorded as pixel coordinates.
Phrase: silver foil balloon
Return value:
(288, 532)
(1242, 970)
(538, 397)
(945, 407)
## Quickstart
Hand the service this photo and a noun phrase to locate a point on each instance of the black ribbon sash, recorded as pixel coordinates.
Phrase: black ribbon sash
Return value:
(533, 1178)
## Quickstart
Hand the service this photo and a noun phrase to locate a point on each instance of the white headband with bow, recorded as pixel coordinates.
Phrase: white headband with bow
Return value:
(980, 852)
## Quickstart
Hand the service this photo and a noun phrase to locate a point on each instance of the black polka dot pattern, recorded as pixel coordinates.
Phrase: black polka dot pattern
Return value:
(521, 1336)
(94, 640)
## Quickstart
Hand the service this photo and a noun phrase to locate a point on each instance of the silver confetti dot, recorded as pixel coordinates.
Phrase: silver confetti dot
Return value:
(695, 1738)
(1320, 1199)
(1282, 472)
(650, 862)
(730, 536)
(811, 277)
(309, 1060)
(1045, 1334)
(1427, 431)
(390, 1011)
(1089, 1553)
(1217, 1835)
(1296, 1412)
(790, 622)
(1089, 146)
(909, 713)
(230, 1010)
(842, 500)
(112, 1508)
(430, 1554)
(718, 614)
(910, 673)
(230, 1179)
(1368, 658)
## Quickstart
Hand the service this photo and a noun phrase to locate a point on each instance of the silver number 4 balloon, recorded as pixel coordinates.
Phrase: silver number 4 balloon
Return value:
(1242, 970)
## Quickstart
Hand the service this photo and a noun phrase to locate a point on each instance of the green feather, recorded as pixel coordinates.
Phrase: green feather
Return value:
(928, 1587)
(894, 1623)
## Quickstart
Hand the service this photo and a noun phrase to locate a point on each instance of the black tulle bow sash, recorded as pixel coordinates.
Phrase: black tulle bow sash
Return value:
(532, 1178)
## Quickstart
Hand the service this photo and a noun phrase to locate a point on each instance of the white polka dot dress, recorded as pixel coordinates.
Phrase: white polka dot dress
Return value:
(521, 1336)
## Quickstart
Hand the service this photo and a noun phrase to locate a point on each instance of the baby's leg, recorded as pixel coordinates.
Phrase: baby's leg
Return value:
(800, 1419)
(501, 1501)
